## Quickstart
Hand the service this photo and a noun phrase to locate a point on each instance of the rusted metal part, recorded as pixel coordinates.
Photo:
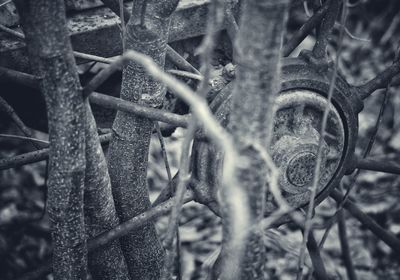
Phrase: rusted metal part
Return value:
(96, 32)
(298, 119)
(379, 165)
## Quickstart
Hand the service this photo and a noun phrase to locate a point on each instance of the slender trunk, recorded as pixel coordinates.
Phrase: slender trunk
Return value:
(251, 120)
(128, 151)
(51, 59)
(100, 215)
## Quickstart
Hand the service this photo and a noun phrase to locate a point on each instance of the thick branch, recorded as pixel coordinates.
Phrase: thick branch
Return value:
(50, 54)
(117, 232)
(172, 55)
(251, 119)
(128, 151)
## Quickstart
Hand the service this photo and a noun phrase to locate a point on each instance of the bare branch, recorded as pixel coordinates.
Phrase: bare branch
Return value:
(117, 232)
(305, 30)
(36, 156)
(386, 236)
(6, 108)
(344, 244)
(320, 50)
(316, 259)
(34, 140)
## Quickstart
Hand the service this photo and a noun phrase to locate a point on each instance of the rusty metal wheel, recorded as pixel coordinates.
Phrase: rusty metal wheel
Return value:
(297, 127)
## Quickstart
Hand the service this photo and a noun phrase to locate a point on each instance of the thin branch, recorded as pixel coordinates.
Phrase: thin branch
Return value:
(6, 108)
(305, 30)
(344, 244)
(308, 222)
(106, 101)
(183, 180)
(123, 27)
(316, 259)
(231, 25)
(45, 143)
(140, 110)
(386, 236)
(116, 233)
(179, 61)
(185, 74)
(76, 54)
(36, 156)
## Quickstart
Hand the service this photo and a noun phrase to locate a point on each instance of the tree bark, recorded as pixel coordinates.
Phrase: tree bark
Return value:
(258, 50)
(128, 151)
(100, 215)
(51, 59)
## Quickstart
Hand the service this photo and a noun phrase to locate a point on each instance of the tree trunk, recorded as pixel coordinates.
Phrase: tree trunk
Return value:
(100, 215)
(128, 151)
(51, 59)
(258, 48)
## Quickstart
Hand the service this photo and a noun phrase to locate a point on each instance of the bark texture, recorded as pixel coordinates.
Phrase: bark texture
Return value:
(52, 61)
(100, 215)
(128, 151)
(258, 49)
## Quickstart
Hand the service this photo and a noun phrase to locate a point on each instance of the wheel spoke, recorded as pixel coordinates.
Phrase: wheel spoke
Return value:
(381, 80)
(380, 165)
(325, 29)
(386, 236)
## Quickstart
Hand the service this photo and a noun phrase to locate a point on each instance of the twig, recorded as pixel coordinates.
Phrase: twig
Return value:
(5, 3)
(106, 101)
(46, 143)
(185, 74)
(116, 233)
(183, 180)
(140, 110)
(168, 169)
(36, 156)
(179, 61)
(76, 54)
(123, 27)
(305, 30)
(6, 108)
(231, 25)
(308, 222)
(344, 244)
(316, 259)
(386, 236)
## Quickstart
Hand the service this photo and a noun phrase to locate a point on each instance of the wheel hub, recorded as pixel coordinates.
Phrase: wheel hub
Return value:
(295, 142)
